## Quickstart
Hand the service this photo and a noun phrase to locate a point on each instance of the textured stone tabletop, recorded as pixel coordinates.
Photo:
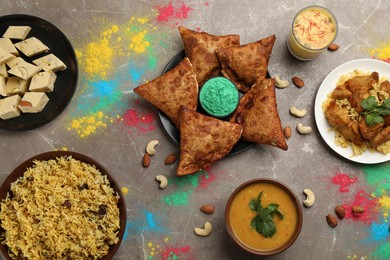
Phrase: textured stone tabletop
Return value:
(121, 44)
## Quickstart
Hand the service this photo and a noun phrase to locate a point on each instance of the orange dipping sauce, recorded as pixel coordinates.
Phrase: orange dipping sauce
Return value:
(239, 216)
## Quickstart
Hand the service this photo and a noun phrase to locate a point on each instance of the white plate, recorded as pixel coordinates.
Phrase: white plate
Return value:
(327, 86)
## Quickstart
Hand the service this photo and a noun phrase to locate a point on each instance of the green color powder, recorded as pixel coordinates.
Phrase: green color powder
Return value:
(378, 176)
(219, 97)
(178, 198)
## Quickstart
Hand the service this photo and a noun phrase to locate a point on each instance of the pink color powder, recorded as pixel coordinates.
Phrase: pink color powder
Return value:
(169, 252)
(206, 179)
(344, 180)
(168, 12)
(143, 123)
(368, 203)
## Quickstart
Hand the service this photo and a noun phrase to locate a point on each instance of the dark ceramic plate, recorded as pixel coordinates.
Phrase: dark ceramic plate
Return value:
(66, 81)
(19, 171)
(172, 131)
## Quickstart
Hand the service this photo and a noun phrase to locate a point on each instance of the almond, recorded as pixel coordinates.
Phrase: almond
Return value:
(298, 82)
(332, 221)
(333, 47)
(170, 159)
(24, 103)
(146, 160)
(287, 132)
(208, 209)
(340, 211)
(357, 210)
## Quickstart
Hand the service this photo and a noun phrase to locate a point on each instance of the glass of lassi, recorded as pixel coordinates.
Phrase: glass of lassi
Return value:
(313, 29)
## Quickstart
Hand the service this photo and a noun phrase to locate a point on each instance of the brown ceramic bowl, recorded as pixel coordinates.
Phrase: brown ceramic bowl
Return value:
(283, 189)
(19, 171)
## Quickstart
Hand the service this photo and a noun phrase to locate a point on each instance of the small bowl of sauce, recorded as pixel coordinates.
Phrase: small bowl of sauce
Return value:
(219, 97)
(271, 231)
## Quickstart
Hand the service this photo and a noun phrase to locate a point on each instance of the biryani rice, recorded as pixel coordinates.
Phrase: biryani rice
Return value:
(339, 138)
(55, 212)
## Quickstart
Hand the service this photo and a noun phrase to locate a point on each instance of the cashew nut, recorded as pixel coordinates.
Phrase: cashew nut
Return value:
(303, 129)
(309, 199)
(203, 232)
(280, 83)
(150, 147)
(297, 112)
(163, 181)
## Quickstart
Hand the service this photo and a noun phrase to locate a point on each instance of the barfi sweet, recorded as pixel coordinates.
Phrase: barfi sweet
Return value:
(43, 82)
(33, 102)
(2, 86)
(31, 46)
(14, 62)
(17, 32)
(50, 62)
(5, 56)
(3, 71)
(9, 107)
(16, 86)
(8, 46)
(24, 70)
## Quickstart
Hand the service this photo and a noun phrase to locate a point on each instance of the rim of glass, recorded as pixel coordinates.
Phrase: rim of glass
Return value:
(330, 14)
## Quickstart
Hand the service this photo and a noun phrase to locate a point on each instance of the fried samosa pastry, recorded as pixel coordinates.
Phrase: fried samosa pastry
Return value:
(247, 64)
(204, 140)
(200, 49)
(171, 90)
(259, 117)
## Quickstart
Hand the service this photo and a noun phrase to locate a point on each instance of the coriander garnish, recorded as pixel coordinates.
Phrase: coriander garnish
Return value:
(263, 222)
(373, 111)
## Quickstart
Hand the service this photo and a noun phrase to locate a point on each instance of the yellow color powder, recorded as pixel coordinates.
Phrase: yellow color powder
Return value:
(385, 202)
(125, 190)
(138, 43)
(383, 52)
(85, 126)
(98, 59)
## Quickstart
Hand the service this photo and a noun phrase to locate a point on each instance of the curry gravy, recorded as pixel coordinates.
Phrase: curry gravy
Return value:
(241, 216)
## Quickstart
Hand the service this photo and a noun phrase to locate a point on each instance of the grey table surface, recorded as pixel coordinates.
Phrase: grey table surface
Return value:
(121, 44)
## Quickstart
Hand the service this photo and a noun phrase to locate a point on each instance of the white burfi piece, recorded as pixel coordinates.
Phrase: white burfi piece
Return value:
(2, 86)
(17, 32)
(8, 46)
(14, 62)
(24, 70)
(50, 62)
(3, 71)
(33, 102)
(31, 46)
(5, 56)
(16, 85)
(9, 107)
(43, 81)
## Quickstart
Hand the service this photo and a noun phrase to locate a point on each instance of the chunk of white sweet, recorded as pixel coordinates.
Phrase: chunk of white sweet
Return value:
(50, 62)
(9, 107)
(14, 62)
(33, 102)
(8, 46)
(2, 86)
(16, 85)
(3, 71)
(31, 46)
(5, 56)
(24, 70)
(43, 81)
(17, 32)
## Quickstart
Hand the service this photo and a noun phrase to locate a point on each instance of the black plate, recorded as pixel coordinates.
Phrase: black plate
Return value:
(171, 130)
(66, 81)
